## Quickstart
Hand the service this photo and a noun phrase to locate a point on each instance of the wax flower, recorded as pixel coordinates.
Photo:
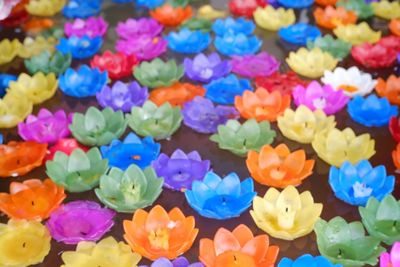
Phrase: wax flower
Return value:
(80, 47)
(351, 81)
(278, 167)
(389, 89)
(198, 24)
(221, 199)
(65, 145)
(23, 243)
(5, 80)
(386, 10)
(282, 82)
(156, 233)
(32, 47)
(224, 90)
(381, 218)
(132, 28)
(82, 9)
(241, 138)
(299, 33)
(372, 110)
(46, 62)
(307, 259)
(6, 8)
(178, 262)
(171, 16)
(8, 50)
(45, 8)
(357, 34)
(337, 146)
(144, 47)
(80, 221)
(132, 150)
(374, 56)
(391, 259)
(203, 68)
(210, 13)
(390, 42)
(19, 158)
(273, 19)
(92, 27)
(245, 8)
(237, 44)
(336, 47)
(46, 127)
(117, 65)
(238, 247)
(188, 42)
(394, 26)
(78, 172)
(298, 4)
(201, 115)
(251, 66)
(32, 199)
(301, 125)
(84, 82)
(107, 252)
(318, 97)
(363, 9)
(331, 17)
(158, 73)
(14, 108)
(177, 94)
(235, 26)
(96, 128)
(346, 243)
(158, 122)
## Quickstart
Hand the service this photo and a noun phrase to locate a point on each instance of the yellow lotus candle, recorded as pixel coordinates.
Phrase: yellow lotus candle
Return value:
(386, 10)
(45, 8)
(8, 50)
(357, 34)
(23, 243)
(14, 108)
(273, 19)
(286, 215)
(311, 63)
(33, 47)
(210, 13)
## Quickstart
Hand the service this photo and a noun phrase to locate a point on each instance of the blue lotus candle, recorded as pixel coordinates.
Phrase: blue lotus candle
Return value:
(5, 80)
(307, 260)
(231, 44)
(235, 26)
(205, 68)
(82, 9)
(80, 47)
(188, 42)
(298, 4)
(299, 33)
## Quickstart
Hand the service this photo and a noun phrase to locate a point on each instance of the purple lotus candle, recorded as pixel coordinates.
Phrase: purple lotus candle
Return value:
(144, 47)
(178, 262)
(91, 27)
(46, 127)
(181, 169)
(80, 221)
(262, 64)
(133, 28)
(203, 68)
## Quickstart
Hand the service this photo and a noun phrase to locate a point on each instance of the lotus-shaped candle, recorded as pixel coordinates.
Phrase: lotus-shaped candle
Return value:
(210, 13)
(117, 65)
(241, 138)
(199, 24)
(84, 82)
(46, 8)
(92, 27)
(311, 63)
(282, 82)
(351, 81)
(171, 16)
(262, 105)
(245, 8)
(237, 44)
(278, 167)
(299, 33)
(36, 25)
(337, 146)
(331, 17)
(221, 199)
(14, 108)
(132, 28)
(19, 158)
(177, 94)
(31, 199)
(389, 89)
(107, 251)
(158, 73)
(96, 128)
(65, 145)
(386, 10)
(361, 7)
(144, 47)
(391, 259)
(132, 150)
(381, 218)
(203, 68)
(394, 26)
(224, 90)
(252, 66)
(80, 47)
(372, 110)
(346, 243)
(390, 42)
(150, 4)
(273, 19)
(158, 122)
(357, 34)
(235, 26)
(188, 42)
(5, 80)
(307, 259)
(298, 4)
(181, 170)
(32, 47)
(78, 172)
(374, 56)
(8, 50)
(81, 9)
(46, 127)
(24, 243)
(314, 96)
(239, 247)
(46, 62)
(178, 262)
(201, 115)
(337, 48)
(80, 221)
(158, 234)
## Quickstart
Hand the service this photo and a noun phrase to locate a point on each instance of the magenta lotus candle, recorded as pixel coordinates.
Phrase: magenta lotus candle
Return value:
(91, 27)
(144, 47)
(262, 64)
(133, 28)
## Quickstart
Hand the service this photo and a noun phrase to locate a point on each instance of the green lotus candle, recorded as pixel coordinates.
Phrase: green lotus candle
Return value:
(362, 9)
(78, 172)
(158, 122)
(46, 62)
(198, 24)
(158, 73)
(241, 138)
(337, 48)
(96, 128)
(346, 243)
(382, 219)
(127, 191)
